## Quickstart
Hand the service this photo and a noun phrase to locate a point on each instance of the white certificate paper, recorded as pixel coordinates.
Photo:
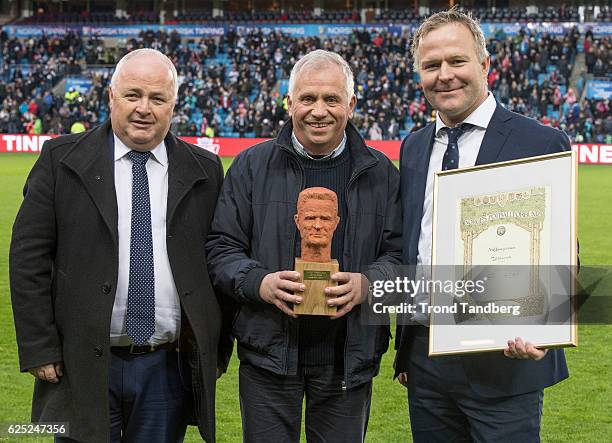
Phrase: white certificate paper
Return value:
(513, 224)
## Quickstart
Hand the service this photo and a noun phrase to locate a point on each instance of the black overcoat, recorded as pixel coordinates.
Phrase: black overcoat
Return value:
(63, 271)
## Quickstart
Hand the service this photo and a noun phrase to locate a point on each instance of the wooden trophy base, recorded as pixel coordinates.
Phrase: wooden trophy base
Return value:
(316, 276)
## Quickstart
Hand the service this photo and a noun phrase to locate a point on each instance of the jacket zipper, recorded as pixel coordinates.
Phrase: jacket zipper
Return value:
(351, 180)
(288, 320)
(346, 236)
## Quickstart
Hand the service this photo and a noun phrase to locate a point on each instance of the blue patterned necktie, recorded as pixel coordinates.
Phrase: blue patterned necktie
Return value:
(451, 156)
(140, 318)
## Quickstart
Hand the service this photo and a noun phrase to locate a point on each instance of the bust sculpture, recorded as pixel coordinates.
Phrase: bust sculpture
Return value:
(317, 219)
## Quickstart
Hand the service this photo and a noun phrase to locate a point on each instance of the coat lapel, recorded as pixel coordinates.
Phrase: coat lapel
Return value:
(495, 137)
(91, 160)
(184, 172)
(417, 163)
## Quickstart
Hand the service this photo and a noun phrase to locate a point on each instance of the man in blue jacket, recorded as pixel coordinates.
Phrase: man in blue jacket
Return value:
(484, 397)
(253, 245)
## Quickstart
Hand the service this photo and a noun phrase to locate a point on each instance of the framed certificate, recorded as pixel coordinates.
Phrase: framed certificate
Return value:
(504, 255)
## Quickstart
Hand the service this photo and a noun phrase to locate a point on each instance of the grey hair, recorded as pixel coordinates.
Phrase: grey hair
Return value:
(146, 51)
(453, 15)
(318, 58)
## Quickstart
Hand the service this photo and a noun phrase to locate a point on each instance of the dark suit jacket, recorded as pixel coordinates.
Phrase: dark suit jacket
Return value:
(509, 136)
(63, 270)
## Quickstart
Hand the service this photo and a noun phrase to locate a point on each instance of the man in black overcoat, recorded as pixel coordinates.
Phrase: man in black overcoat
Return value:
(115, 314)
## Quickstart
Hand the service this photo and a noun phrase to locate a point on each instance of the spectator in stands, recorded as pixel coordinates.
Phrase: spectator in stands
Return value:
(375, 133)
(241, 124)
(266, 129)
(4, 120)
(77, 127)
(599, 68)
(393, 130)
(71, 95)
(209, 131)
(570, 97)
(37, 126)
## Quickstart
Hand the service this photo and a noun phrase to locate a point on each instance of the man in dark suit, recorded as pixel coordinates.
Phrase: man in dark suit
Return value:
(484, 397)
(108, 271)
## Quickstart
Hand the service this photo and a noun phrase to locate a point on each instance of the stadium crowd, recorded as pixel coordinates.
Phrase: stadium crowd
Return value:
(235, 85)
(561, 13)
(493, 15)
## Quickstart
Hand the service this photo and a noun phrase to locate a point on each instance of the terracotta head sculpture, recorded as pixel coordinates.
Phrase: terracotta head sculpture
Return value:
(317, 219)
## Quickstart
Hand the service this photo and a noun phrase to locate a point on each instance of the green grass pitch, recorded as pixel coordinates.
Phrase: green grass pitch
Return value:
(577, 410)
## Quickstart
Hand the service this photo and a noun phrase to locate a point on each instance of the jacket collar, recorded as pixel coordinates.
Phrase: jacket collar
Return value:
(91, 160)
(420, 160)
(184, 171)
(361, 155)
(497, 132)
(413, 188)
(495, 137)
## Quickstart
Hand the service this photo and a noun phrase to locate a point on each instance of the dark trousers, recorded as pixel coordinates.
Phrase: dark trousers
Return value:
(271, 406)
(147, 398)
(444, 408)
(148, 403)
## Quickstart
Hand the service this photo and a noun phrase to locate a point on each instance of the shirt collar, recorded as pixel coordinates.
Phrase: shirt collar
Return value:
(481, 116)
(299, 148)
(159, 153)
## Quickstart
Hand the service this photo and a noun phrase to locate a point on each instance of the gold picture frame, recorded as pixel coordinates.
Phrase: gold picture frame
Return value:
(529, 207)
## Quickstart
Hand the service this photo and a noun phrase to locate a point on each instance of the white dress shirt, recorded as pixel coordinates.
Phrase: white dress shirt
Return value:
(469, 146)
(167, 303)
(301, 150)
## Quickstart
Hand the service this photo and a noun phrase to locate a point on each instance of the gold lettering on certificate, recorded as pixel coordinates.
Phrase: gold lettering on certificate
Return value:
(507, 229)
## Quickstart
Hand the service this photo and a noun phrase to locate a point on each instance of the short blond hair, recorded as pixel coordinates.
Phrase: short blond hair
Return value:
(453, 15)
